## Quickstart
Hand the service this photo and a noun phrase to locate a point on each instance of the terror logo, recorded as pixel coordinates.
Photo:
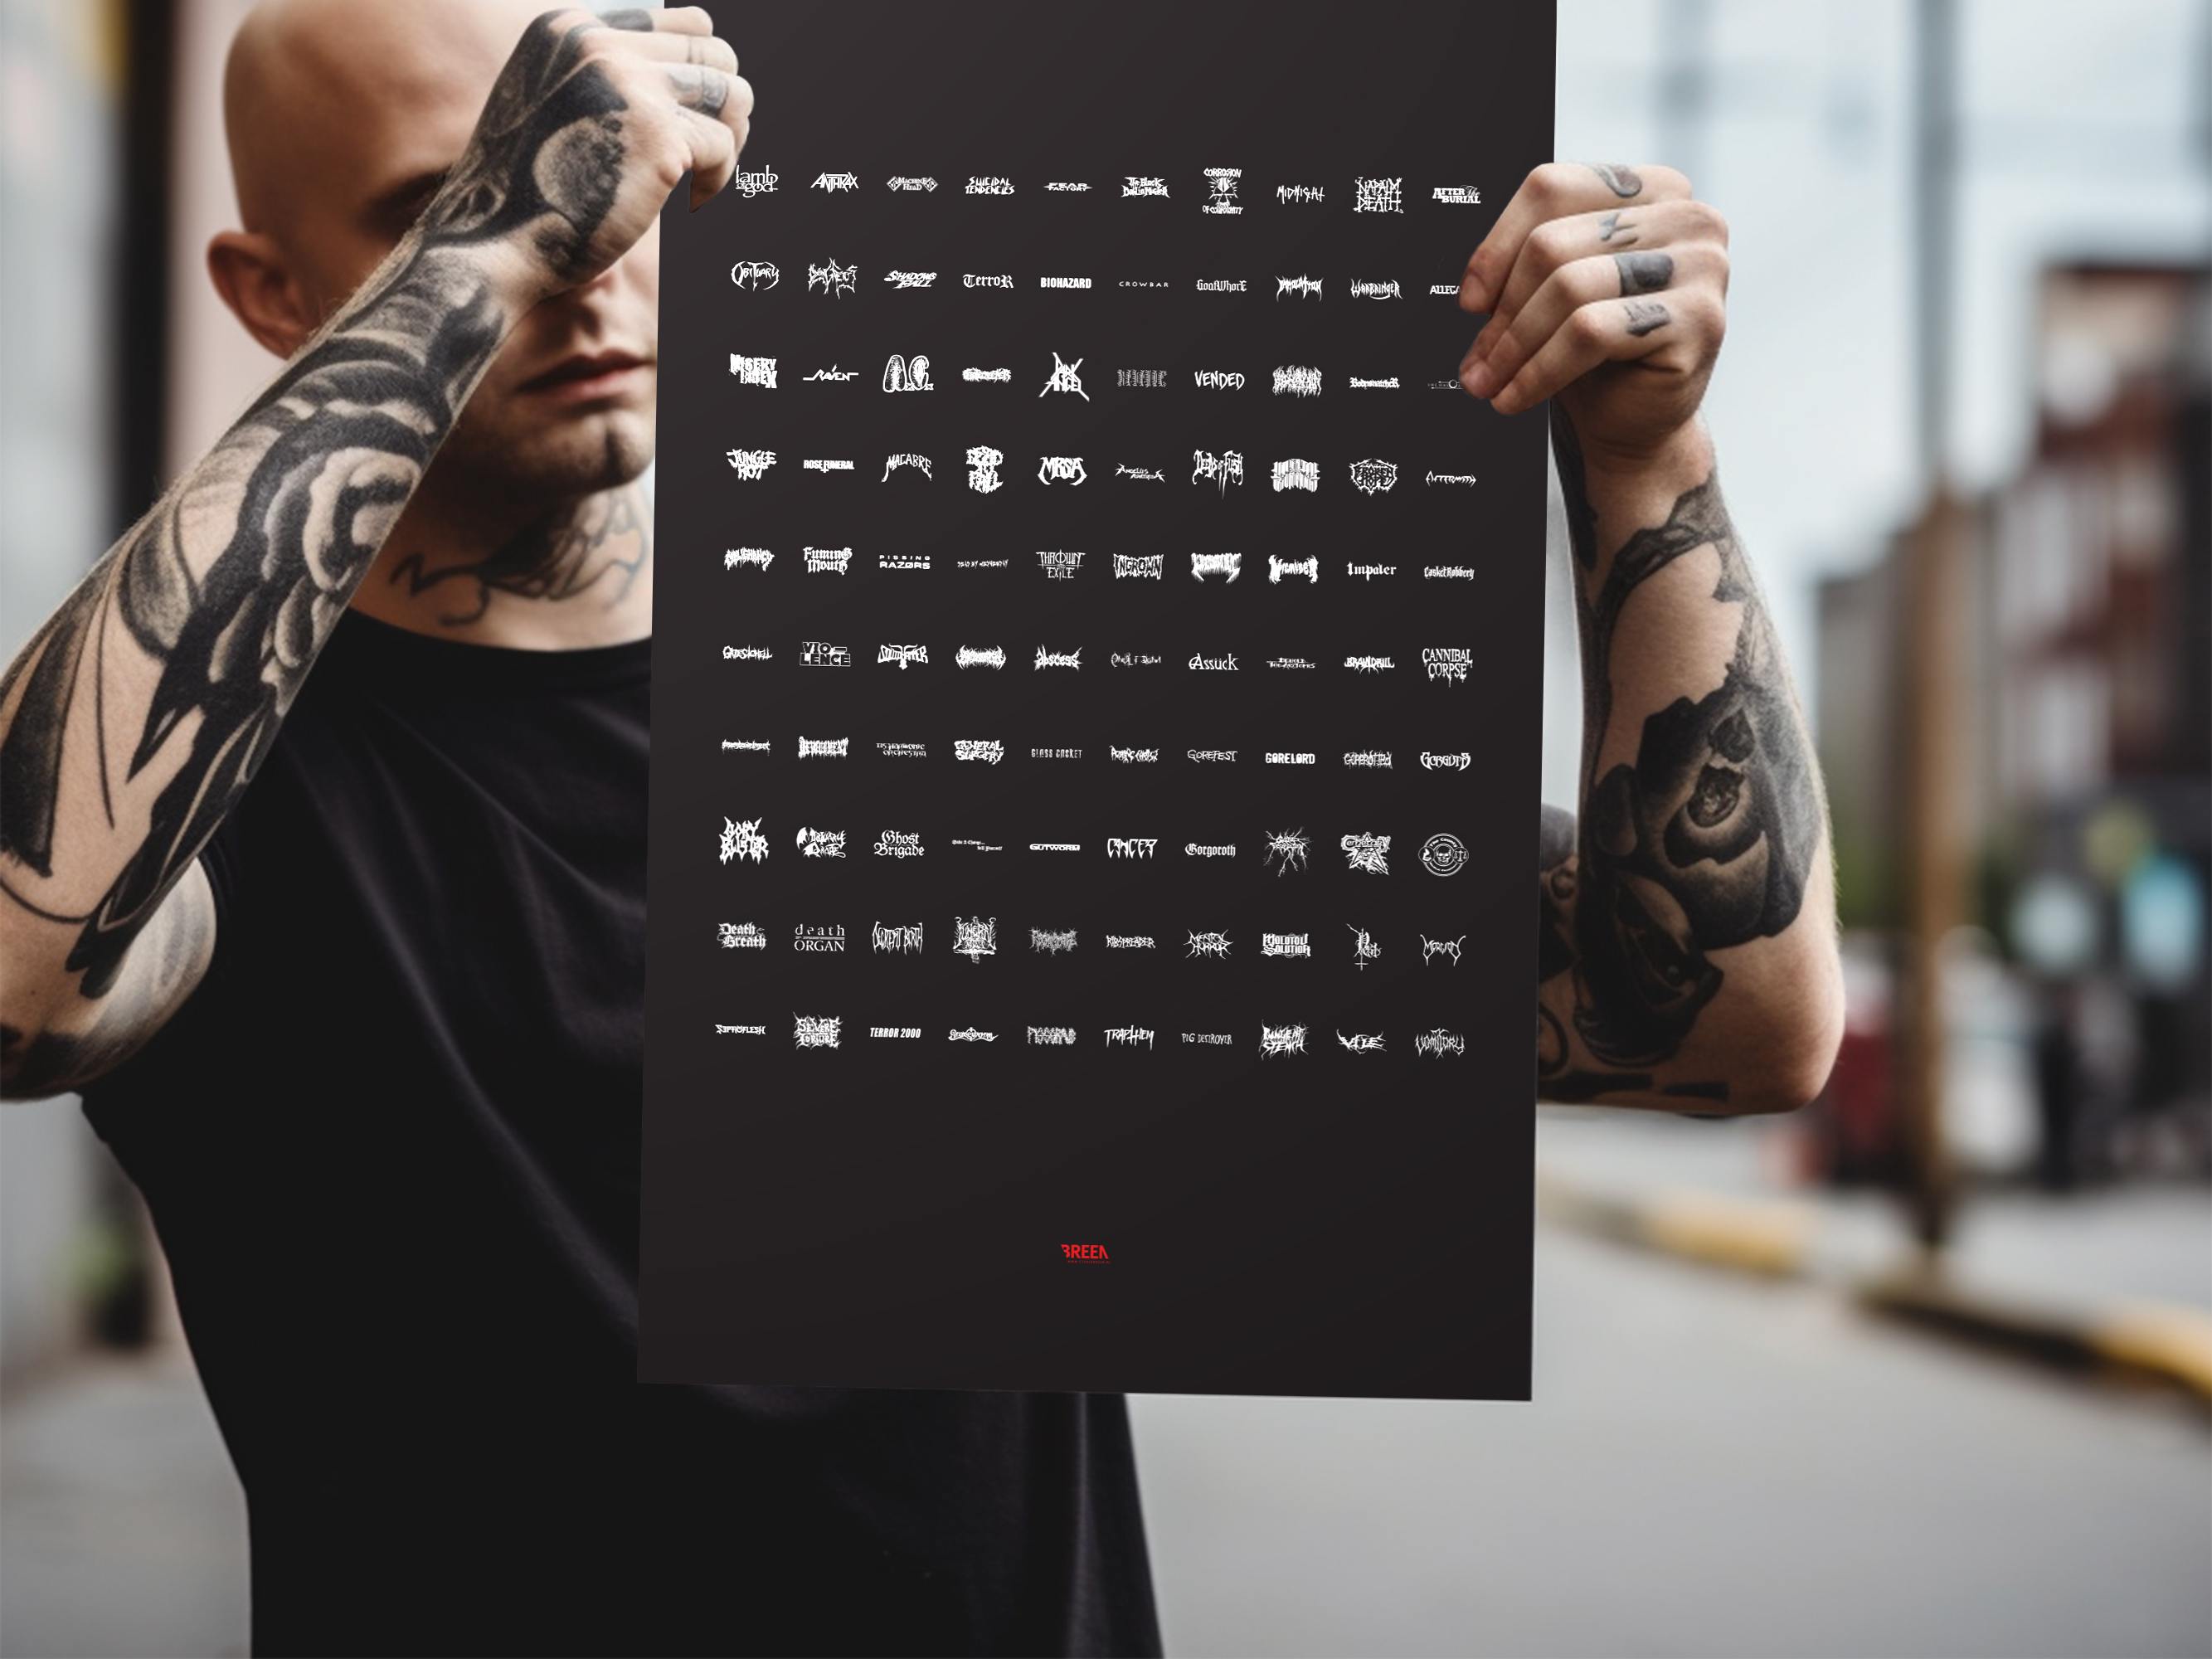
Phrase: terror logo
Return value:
(834, 182)
(1305, 288)
(1362, 1042)
(1052, 1037)
(741, 936)
(1281, 1040)
(834, 560)
(1371, 476)
(742, 839)
(1439, 1042)
(1207, 944)
(1132, 756)
(899, 844)
(899, 376)
(1298, 380)
(1057, 658)
(901, 654)
(1119, 1036)
(755, 274)
(762, 183)
(1376, 196)
(1364, 950)
(1139, 564)
(1296, 194)
(1059, 566)
(897, 940)
(833, 278)
(989, 750)
(986, 656)
(910, 278)
(810, 941)
(1365, 290)
(1060, 469)
(1298, 475)
(1221, 185)
(739, 558)
(1046, 942)
(823, 748)
(1132, 185)
(1063, 378)
(1218, 379)
(819, 653)
(1224, 469)
(754, 371)
(1131, 847)
(976, 938)
(1286, 851)
(1002, 279)
(1433, 948)
(983, 464)
(1369, 855)
(751, 464)
(822, 843)
(892, 463)
(1307, 568)
(989, 187)
(817, 1031)
(1284, 944)
(1203, 565)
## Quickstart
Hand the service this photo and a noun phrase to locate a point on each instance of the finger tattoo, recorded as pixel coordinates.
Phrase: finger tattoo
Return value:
(1646, 315)
(1613, 228)
(702, 89)
(1644, 273)
(1622, 181)
(641, 22)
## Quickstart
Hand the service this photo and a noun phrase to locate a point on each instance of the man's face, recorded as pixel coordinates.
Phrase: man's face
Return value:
(347, 127)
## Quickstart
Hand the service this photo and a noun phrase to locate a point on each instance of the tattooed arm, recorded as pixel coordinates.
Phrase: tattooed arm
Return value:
(133, 719)
(1687, 953)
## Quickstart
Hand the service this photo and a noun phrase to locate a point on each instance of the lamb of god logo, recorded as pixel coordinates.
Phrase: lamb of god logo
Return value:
(742, 839)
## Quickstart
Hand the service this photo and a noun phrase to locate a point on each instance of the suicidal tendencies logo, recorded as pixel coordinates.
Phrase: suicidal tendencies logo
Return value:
(1207, 944)
(1203, 565)
(1298, 475)
(751, 464)
(989, 187)
(983, 464)
(831, 278)
(904, 941)
(1447, 663)
(1364, 950)
(1307, 568)
(1298, 380)
(1376, 196)
(813, 1031)
(755, 274)
(1370, 854)
(899, 376)
(1286, 851)
(1281, 1040)
(1063, 378)
(1221, 186)
(976, 938)
(822, 843)
(1443, 855)
(742, 839)
(1226, 469)
(1433, 948)
(1048, 942)
(1371, 476)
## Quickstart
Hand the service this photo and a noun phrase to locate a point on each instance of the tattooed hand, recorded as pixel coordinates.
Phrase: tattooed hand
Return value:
(1606, 289)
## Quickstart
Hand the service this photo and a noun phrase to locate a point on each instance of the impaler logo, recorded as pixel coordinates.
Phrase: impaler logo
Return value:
(1457, 194)
(754, 371)
(1060, 469)
(1145, 379)
(1139, 564)
(832, 278)
(1203, 565)
(1443, 854)
(1370, 572)
(1063, 378)
(1364, 290)
(983, 464)
(911, 184)
(1281, 1040)
(975, 938)
(746, 654)
(1458, 762)
(745, 745)
(969, 1034)
(1362, 1044)
(1447, 663)
(1286, 851)
(1376, 196)
(899, 376)
(989, 750)
(1284, 944)
(910, 278)
(1222, 285)
(1153, 473)
(898, 844)
(1131, 847)
(1048, 942)
(1133, 185)
(1371, 757)
(1433, 948)
(1464, 573)
(741, 936)
(1124, 1036)
(818, 653)
(989, 656)
(1208, 945)
(742, 839)
(897, 940)
(810, 941)
(1369, 665)
(1452, 477)
(1215, 665)
(741, 558)
(1059, 565)
(1298, 380)
(1369, 855)
(1132, 756)
(903, 751)
(902, 655)
(1439, 1042)
(1218, 379)
(1289, 757)
(1364, 950)
(1278, 569)
(755, 274)
(762, 183)
(989, 187)
(1057, 658)
(1226, 469)
(834, 182)
(817, 1031)
(1192, 849)
(836, 374)
(1135, 659)
(1221, 184)
(1129, 942)
(988, 375)
(822, 843)
(752, 464)
(892, 463)
(1289, 195)
(1304, 288)
(823, 748)
(1371, 476)
(1052, 1037)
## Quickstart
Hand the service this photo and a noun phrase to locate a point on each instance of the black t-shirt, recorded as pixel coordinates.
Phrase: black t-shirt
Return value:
(391, 1146)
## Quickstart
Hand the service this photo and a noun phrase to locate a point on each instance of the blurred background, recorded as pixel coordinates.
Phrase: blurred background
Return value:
(1922, 1369)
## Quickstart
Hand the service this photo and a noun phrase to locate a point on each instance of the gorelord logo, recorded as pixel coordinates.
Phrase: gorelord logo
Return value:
(1139, 564)
(1443, 854)
(975, 938)
(1226, 469)
(1131, 847)
(1447, 663)
(741, 936)
(1057, 658)
(1084, 1252)
(1132, 756)
(832, 278)
(1128, 1036)
(835, 560)
(1046, 942)
(1439, 1042)
(902, 655)
(899, 376)
(1378, 758)
(1281, 1040)
(1052, 1037)
(811, 939)
(1433, 948)
(1362, 1042)
(823, 748)
(817, 1031)
(1286, 851)
(1289, 757)
(1059, 565)
(987, 656)
(1227, 565)
(1458, 762)
(752, 464)
(761, 183)
(1369, 855)
(747, 558)
(822, 843)
(899, 844)
(752, 274)
(742, 839)
(754, 371)
(1215, 945)
(1284, 944)
(897, 940)
(988, 749)
(1298, 475)
(1307, 568)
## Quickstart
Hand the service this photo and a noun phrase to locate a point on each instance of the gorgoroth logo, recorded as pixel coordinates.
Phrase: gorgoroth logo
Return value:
(1135, 186)
(1286, 851)
(1370, 854)
(816, 654)
(822, 843)
(811, 940)
(742, 936)
(738, 558)
(1060, 469)
(1369, 665)
(1298, 475)
(1288, 194)
(1447, 663)
(910, 278)
(976, 938)
(1284, 944)
(892, 463)
(1371, 476)
(989, 187)
(991, 750)
(898, 941)
(823, 748)
(1139, 846)
(762, 183)
(1132, 756)
(1362, 1044)
(1443, 854)
(989, 656)
(1052, 1037)
(1221, 182)
(1305, 288)
(1376, 196)
(1059, 566)
(814, 1032)
(898, 844)
(832, 278)
(983, 464)
(1433, 948)
(1208, 945)
(743, 840)
(1203, 565)
(834, 560)
(901, 654)
(754, 371)
(1218, 379)
(1057, 658)
(1281, 1040)
(899, 376)
(834, 182)
(1063, 378)
(1364, 950)
(1128, 1036)
(755, 274)
(1226, 469)
(751, 464)
(1278, 569)
(1440, 1042)
(1298, 381)
(911, 184)
(1139, 564)
(1050, 944)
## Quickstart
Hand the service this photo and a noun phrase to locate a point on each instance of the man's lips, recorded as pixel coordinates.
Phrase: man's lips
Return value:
(588, 374)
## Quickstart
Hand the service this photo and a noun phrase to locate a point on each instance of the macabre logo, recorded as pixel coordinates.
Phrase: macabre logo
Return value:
(1362, 1044)
(899, 376)
(1298, 475)
(1060, 469)
(822, 843)
(1221, 189)
(1447, 663)
(1364, 950)
(989, 187)
(1131, 847)
(983, 464)
(754, 371)
(739, 558)
(899, 844)
(741, 936)
(832, 278)
(1298, 381)
(1207, 944)
(1063, 378)
(1139, 564)
(1203, 565)
(1371, 476)
(1135, 186)
(1304, 288)
(762, 183)
(1218, 379)
(835, 560)
(989, 750)
(1369, 855)
(823, 748)
(834, 182)
(1284, 944)
(1376, 196)
(1307, 568)
(903, 941)
(1226, 469)
(984, 656)
(1059, 566)
(1292, 195)
(1433, 948)
(902, 655)
(813, 1031)
(810, 939)
(975, 939)
(920, 463)
(752, 274)
(1440, 1042)
(1286, 851)
(751, 464)
(910, 278)
(1281, 1040)
(1443, 855)
(1046, 942)
(820, 654)
(742, 839)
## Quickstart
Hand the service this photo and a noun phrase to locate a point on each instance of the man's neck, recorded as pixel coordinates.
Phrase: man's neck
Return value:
(578, 576)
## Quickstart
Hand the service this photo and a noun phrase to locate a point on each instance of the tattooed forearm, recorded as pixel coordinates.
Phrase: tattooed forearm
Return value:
(602, 545)
(1623, 181)
(1644, 273)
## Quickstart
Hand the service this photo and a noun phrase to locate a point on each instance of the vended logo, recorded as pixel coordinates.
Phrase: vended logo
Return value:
(1085, 1252)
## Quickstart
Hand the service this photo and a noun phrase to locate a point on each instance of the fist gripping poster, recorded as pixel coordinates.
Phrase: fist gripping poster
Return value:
(1097, 649)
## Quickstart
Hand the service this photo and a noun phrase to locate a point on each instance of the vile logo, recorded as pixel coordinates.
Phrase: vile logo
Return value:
(1084, 1252)
(983, 464)
(1227, 565)
(752, 464)
(899, 376)
(742, 936)
(1443, 855)
(834, 182)
(1362, 1044)
(1304, 288)
(755, 274)
(832, 278)
(1371, 477)
(815, 1031)
(1060, 469)
(822, 843)
(754, 371)
(1063, 378)
(742, 839)
(1281, 1040)
(762, 183)
(1221, 186)
(975, 939)
(1376, 196)
(739, 558)
(1307, 568)
(1226, 469)
(1369, 855)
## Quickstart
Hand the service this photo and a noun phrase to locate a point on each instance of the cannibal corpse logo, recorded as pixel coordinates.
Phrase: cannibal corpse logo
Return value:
(1278, 569)
(897, 940)
(815, 1032)
(1137, 846)
(1362, 1044)
(1287, 850)
(1443, 855)
(822, 843)
(1440, 1042)
(975, 939)
(1370, 854)
(1298, 475)
(902, 654)
(755, 274)
(1447, 663)
(1226, 469)
(1433, 948)
(1139, 564)
(898, 844)
(1048, 943)
(1281, 1040)
(1371, 477)
(742, 839)
(1208, 945)
(1227, 565)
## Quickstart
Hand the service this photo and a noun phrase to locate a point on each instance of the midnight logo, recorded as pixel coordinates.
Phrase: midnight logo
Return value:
(818, 653)
(975, 939)
(1218, 379)
(1228, 565)
(911, 184)
(742, 558)
(1215, 945)
(897, 940)
(741, 936)
(989, 656)
(1131, 847)
(1139, 564)
(744, 746)
(1368, 757)
(1059, 566)
(823, 748)
(988, 375)
(1226, 469)
(902, 655)
(1046, 942)
(1376, 196)
(1221, 189)
(753, 274)
(1371, 477)
(969, 1034)
(1126, 1036)
(1132, 185)
(1278, 569)
(751, 464)
(1369, 855)
(1458, 762)
(920, 463)
(746, 654)
(832, 278)
(1303, 287)
(1063, 378)
(1364, 950)
(990, 187)
(1443, 855)
(983, 464)
(834, 182)
(817, 1031)
(1440, 1042)
(754, 371)
(1456, 195)
(898, 844)
(1463, 573)
(818, 941)
(1364, 290)
(1288, 757)
(742, 839)
(903, 279)
(835, 374)
(989, 750)
(1284, 944)
(1002, 280)
(1147, 379)
(1215, 664)
(1140, 473)
(1281, 1040)
(762, 183)
(1052, 1037)
(822, 843)
(1447, 663)
(1433, 948)
(1362, 1044)
(1057, 658)
(1060, 469)
(1368, 572)
(1298, 381)
(1297, 195)
(1286, 851)
(1369, 665)
(899, 376)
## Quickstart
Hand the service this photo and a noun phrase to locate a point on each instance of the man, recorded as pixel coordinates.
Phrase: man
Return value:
(368, 1036)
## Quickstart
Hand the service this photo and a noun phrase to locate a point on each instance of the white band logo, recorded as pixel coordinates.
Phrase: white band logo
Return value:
(742, 839)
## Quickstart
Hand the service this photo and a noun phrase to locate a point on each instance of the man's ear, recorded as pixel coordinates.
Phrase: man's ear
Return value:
(256, 281)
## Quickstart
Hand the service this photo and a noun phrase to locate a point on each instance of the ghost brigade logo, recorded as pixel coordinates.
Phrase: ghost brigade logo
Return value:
(1433, 948)
(1370, 854)
(1376, 196)
(814, 1032)
(752, 274)
(1443, 854)
(899, 844)
(1371, 476)
(832, 279)
(1215, 945)
(822, 843)
(752, 464)
(1281, 1040)
(742, 839)
(975, 939)
(1440, 1042)
(1286, 851)
(983, 464)
(1362, 1044)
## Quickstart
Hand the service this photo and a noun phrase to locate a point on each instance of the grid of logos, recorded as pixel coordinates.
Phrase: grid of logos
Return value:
(751, 842)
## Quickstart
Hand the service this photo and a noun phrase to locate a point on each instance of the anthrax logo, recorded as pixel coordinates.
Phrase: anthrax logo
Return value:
(743, 840)
(1359, 1044)
(755, 274)
(1139, 846)
(1364, 950)
(753, 184)
(1433, 948)
(901, 654)
(969, 656)
(900, 941)
(1370, 476)
(1278, 569)
(751, 464)
(1207, 944)
(892, 463)
(1060, 469)
(1051, 943)
(742, 936)
(1281, 1040)
(814, 1032)
(1057, 658)
(983, 464)
(1440, 1042)
(832, 278)
(1306, 287)
(1447, 663)
(1203, 565)
(899, 375)
(1375, 196)
(822, 843)
(759, 558)
(1298, 475)
(1224, 469)
(754, 371)
(1298, 380)
(1063, 378)
(1286, 851)
(834, 182)
(975, 939)
(1139, 564)
(1368, 853)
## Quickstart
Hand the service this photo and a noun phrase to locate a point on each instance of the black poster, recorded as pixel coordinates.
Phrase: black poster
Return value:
(1097, 656)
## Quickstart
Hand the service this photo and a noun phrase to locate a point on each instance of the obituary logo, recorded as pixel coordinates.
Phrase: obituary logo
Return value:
(834, 182)
(899, 375)
(1049, 944)
(1376, 196)
(1458, 762)
(762, 183)
(1295, 195)
(1305, 288)
(1135, 186)
(1221, 185)
(1447, 663)
(754, 371)
(752, 464)
(1369, 665)
(1278, 569)
(1379, 759)
(1141, 565)
(1218, 379)
(1226, 469)
(743, 840)
(1118, 1036)
(989, 750)
(819, 654)
(1369, 855)
(739, 558)
(1137, 846)
(823, 748)
(1203, 565)
(742, 936)
(983, 464)
(897, 940)
(1281, 1040)
(1000, 374)
(832, 278)
(1063, 378)
(989, 187)
(975, 939)
(1060, 567)
(813, 1032)
(1132, 756)
(1364, 950)
(1433, 948)
(1298, 475)
(834, 560)
(752, 274)
(910, 184)
(1457, 194)
(818, 941)
(1138, 472)
(1284, 944)
(822, 843)
(1286, 851)
(1360, 1043)
(834, 375)
(1144, 380)
(1361, 291)
(987, 656)
(902, 655)
(920, 463)
(1299, 381)
(1208, 945)
(910, 278)
(1440, 1042)
(1370, 572)
(1057, 658)
(1443, 855)
(1052, 1037)
(898, 844)
(1060, 469)
(1371, 476)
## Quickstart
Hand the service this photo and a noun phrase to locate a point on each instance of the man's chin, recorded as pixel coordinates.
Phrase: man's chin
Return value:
(601, 449)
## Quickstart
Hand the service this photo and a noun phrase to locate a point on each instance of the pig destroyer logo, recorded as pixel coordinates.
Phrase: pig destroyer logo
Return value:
(754, 371)
(742, 839)
(762, 183)
(1443, 855)
(741, 558)
(1286, 851)
(975, 939)
(1447, 663)
(815, 1032)
(1440, 1042)
(1060, 469)
(832, 278)
(1221, 187)
(1362, 1042)
(899, 376)
(1298, 381)
(900, 941)
(1226, 469)
(1364, 950)
(1369, 855)
(1226, 565)
(1045, 942)
(752, 464)
(1371, 476)
(1447, 948)
(741, 936)
(822, 843)
(1213, 946)
(755, 274)
(983, 464)
(1307, 568)
(1063, 378)
(1281, 1040)
(1376, 196)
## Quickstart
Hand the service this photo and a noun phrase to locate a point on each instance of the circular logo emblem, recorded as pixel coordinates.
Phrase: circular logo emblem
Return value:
(1443, 855)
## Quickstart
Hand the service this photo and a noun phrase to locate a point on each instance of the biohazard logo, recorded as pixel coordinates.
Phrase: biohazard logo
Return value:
(1207, 944)
(1278, 569)
(822, 843)
(1281, 1040)
(743, 840)
(1203, 565)
(1286, 851)
(899, 376)
(1370, 478)
(976, 938)
(1063, 378)
(983, 464)
(1224, 469)
(1369, 855)
(1299, 381)
(813, 1031)
(1433, 948)
(1443, 855)
(751, 464)
(832, 278)
(752, 274)
(1376, 196)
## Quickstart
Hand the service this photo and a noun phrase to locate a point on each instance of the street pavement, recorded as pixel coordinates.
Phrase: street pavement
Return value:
(1714, 1465)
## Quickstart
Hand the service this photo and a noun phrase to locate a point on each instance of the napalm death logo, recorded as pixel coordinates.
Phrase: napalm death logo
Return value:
(755, 274)
(1226, 469)
(1307, 568)
(1370, 476)
(975, 939)
(1215, 945)
(817, 1031)
(899, 376)
(742, 839)
(903, 941)
(1281, 1040)
(1433, 948)
(822, 843)
(1370, 854)
(1203, 565)
(1439, 1042)
(1286, 851)
(1376, 196)
(831, 278)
